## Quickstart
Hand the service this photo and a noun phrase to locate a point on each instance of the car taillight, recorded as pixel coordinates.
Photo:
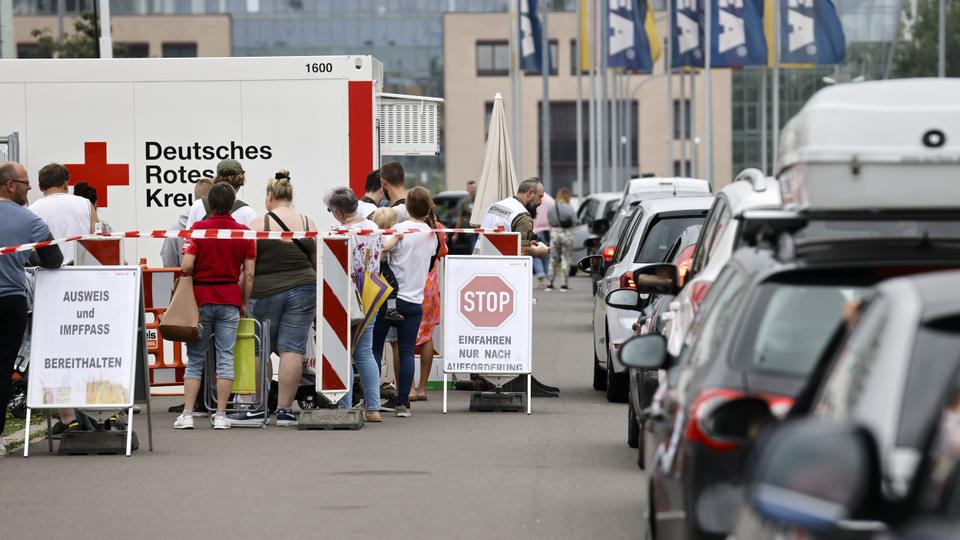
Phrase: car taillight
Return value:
(626, 281)
(698, 293)
(683, 264)
(608, 253)
(708, 401)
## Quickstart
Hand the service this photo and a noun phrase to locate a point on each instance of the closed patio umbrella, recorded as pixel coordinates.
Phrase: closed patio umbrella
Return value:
(498, 179)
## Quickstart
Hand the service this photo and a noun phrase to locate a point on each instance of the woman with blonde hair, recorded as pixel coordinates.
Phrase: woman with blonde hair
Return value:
(562, 219)
(284, 293)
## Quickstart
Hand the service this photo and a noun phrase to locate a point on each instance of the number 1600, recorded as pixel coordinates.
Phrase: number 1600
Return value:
(319, 67)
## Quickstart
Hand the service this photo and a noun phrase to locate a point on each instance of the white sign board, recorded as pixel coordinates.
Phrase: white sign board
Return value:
(84, 337)
(487, 314)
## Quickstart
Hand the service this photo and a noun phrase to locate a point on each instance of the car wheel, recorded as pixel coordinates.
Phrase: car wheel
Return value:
(599, 375)
(618, 384)
(633, 430)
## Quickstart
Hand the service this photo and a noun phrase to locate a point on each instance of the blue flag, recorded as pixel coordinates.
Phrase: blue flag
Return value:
(531, 53)
(634, 43)
(686, 28)
(810, 32)
(738, 33)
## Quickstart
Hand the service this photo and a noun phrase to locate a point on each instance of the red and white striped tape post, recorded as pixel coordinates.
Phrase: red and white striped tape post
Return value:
(498, 243)
(334, 298)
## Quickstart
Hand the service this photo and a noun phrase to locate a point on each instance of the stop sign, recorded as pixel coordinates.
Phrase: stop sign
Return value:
(487, 301)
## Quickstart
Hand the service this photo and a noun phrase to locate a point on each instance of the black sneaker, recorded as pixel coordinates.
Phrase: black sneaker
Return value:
(60, 428)
(247, 418)
(389, 405)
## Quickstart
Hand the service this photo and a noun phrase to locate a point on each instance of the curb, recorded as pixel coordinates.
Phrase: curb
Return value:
(15, 440)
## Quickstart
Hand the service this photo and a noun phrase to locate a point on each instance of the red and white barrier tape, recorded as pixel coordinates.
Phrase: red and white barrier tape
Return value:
(235, 234)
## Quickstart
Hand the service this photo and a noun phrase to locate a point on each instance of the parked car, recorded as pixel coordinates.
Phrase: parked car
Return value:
(446, 205)
(644, 382)
(887, 414)
(637, 190)
(653, 228)
(750, 190)
(593, 219)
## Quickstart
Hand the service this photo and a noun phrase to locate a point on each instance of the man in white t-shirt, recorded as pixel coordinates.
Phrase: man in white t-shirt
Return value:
(392, 180)
(64, 213)
(373, 194)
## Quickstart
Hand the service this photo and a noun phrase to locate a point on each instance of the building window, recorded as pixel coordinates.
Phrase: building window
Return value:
(573, 60)
(135, 50)
(686, 170)
(32, 50)
(553, 60)
(681, 131)
(179, 50)
(493, 58)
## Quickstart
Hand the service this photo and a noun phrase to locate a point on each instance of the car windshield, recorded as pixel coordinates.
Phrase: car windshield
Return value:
(662, 235)
(789, 325)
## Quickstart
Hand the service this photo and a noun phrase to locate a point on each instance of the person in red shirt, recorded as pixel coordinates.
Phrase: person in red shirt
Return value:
(222, 273)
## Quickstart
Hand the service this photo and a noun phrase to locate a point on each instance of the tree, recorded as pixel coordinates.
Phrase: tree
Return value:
(83, 43)
(918, 50)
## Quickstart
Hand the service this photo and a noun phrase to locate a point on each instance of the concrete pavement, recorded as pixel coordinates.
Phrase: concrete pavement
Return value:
(564, 472)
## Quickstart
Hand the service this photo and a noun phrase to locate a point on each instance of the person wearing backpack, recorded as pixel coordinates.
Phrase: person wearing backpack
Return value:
(562, 219)
(284, 293)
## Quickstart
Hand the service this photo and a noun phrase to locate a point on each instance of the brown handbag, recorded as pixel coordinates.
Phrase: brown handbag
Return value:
(181, 320)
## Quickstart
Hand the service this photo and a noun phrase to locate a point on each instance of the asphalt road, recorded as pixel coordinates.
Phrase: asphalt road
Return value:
(563, 472)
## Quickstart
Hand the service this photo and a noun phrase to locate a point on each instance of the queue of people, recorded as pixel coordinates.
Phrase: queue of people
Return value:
(275, 280)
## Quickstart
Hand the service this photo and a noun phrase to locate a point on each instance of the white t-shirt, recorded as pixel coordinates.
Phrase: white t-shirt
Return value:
(410, 261)
(365, 209)
(402, 214)
(66, 215)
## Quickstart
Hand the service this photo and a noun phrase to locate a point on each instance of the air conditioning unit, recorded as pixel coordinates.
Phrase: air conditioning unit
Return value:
(10, 147)
(409, 125)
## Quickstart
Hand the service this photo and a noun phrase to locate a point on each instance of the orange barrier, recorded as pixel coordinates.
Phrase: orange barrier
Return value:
(162, 372)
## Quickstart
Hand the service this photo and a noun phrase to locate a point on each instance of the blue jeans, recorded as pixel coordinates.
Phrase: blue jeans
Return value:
(541, 264)
(369, 372)
(220, 320)
(406, 341)
(290, 313)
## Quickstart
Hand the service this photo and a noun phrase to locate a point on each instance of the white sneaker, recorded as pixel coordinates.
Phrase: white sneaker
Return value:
(403, 411)
(220, 421)
(183, 422)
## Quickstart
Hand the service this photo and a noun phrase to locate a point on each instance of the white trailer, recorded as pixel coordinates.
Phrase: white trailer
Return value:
(144, 131)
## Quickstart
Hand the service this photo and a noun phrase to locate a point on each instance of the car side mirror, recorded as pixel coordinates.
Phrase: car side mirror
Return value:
(645, 352)
(625, 299)
(592, 242)
(657, 279)
(600, 226)
(816, 476)
(590, 264)
(737, 421)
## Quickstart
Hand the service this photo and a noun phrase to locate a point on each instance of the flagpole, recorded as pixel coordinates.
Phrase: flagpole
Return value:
(591, 40)
(579, 101)
(684, 123)
(708, 132)
(942, 40)
(776, 85)
(628, 128)
(694, 151)
(603, 40)
(546, 174)
(614, 132)
(763, 119)
(515, 87)
(668, 70)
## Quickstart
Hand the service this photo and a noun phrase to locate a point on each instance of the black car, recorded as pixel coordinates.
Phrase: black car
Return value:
(643, 382)
(887, 412)
(766, 322)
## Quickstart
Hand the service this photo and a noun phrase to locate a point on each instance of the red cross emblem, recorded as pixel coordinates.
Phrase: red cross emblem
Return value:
(97, 172)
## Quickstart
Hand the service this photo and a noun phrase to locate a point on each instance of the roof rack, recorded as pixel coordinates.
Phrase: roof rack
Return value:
(756, 178)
